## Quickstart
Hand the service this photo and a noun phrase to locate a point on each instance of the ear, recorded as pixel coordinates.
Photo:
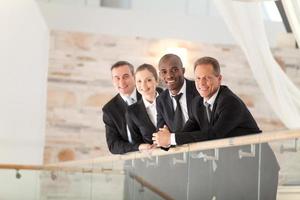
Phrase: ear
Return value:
(183, 70)
(220, 78)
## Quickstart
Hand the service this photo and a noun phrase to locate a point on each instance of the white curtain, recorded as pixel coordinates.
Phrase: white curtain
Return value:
(292, 10)
(245, 21)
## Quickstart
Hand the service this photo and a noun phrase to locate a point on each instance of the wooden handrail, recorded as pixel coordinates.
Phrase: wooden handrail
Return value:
(213, 144)
(151, 187)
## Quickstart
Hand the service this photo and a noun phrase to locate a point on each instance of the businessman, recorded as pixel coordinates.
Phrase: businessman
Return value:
(173, 110)
(118, 136)
(173, 104)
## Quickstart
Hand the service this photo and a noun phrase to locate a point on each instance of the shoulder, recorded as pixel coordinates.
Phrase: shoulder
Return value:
(197, 100)
(159, 90)
(164, 94)
(191, 87)
(112, 103)
(190, 82)
(227, 96)
(135, 107)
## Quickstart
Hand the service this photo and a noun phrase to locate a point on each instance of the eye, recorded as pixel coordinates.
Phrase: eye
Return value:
(116, 78)
(163, 72)
(174, 70)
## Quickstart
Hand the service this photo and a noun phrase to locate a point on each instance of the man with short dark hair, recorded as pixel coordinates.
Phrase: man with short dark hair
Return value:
(118, 137)
(178, 95)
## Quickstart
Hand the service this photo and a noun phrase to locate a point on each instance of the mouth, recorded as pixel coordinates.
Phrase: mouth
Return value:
(170, 82)
(203, 89)
(122, 88)
(145, 90)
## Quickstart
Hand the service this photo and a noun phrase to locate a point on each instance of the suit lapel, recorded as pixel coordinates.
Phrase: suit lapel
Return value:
(202, 116)
(121, 107)
(216, 105)
(189, 95)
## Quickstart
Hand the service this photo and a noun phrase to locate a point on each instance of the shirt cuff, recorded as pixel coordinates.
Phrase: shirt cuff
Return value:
(173, 141)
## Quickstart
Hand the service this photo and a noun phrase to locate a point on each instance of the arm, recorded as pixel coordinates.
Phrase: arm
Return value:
(160, 119)
(116, 144)
(136, 135)
(229, 116)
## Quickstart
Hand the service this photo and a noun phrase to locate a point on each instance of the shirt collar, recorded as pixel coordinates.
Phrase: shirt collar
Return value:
(133, 96)
(212, 99)
(182, 90)
(147, 103)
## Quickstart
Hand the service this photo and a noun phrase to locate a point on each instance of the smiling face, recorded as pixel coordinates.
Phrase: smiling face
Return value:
(146, 84)
(171, 73)
(206, 80)
(123, 80)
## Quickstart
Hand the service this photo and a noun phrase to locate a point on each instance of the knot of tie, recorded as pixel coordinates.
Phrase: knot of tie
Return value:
(207, 105)
(177, 97)
(130, 100)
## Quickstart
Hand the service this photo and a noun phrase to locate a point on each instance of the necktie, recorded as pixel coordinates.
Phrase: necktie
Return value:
(129, 101)
(178, 118)
(208, 111)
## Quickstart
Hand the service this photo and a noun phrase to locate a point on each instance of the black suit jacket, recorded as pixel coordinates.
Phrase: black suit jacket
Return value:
(230, 117)
(115, 126)
(139, 122)
(164, 105)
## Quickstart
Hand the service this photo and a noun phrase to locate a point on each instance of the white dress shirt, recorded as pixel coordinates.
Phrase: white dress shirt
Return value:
(182, 102)
(151, 110)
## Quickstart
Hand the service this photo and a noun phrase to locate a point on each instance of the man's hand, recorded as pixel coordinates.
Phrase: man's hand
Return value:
(162, 138)
(146, 147)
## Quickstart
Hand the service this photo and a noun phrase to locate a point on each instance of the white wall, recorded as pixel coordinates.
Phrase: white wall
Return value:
(23, 80)
(193, 20)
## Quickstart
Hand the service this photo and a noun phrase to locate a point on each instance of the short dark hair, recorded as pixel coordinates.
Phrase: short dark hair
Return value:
(148, 67)
(209, 60)
(169, 57)
(121, 63)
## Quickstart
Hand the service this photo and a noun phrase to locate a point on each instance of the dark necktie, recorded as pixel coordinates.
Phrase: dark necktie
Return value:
(208, 111)
(178, 118)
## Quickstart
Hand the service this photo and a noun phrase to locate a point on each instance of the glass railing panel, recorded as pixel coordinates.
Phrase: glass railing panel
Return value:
(161, 177)
(66, 183)
(280, 170)
(22, 184)
(224, 173)
(111, 180)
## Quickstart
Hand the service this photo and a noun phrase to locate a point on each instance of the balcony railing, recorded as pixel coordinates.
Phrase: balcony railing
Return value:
(244, 167)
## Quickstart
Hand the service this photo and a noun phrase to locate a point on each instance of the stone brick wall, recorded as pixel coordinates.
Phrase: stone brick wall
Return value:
(79, 84)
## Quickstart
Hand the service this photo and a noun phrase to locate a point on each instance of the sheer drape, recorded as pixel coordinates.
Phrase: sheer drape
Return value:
(245, 21)
(292, 10)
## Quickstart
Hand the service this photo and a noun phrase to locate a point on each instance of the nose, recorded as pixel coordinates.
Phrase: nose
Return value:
(122, 82)
(169, 74)
(144, 86)
(203, 81)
